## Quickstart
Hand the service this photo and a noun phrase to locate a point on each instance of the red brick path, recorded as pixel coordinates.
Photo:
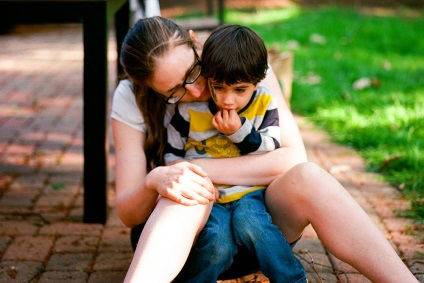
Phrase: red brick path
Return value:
(42, 237)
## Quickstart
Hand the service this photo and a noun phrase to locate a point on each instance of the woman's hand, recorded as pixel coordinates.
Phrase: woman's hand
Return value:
(182, 182)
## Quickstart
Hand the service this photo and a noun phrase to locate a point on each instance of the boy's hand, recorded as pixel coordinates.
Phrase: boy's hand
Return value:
(227, 121)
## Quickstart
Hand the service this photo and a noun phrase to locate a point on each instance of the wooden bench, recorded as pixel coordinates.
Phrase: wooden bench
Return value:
(95, 16)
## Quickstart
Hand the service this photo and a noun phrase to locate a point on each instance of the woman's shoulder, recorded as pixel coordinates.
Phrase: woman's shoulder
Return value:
(263, 89)
(124, 106)
(124, 89)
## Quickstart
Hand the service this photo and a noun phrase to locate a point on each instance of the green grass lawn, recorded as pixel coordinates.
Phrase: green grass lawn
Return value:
(359, 76)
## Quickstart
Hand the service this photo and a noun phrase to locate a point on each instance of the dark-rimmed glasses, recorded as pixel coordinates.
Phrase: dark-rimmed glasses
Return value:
(192, 75)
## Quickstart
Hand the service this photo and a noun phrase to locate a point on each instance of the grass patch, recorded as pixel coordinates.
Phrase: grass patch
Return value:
(359, 76)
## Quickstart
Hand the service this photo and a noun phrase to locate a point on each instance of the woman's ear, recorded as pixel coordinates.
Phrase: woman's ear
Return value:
(195, 40)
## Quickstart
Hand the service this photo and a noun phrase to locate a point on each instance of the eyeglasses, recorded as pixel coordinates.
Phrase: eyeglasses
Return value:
(192, 75)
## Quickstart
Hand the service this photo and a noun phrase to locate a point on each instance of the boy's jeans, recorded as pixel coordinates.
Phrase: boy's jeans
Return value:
(244, 222)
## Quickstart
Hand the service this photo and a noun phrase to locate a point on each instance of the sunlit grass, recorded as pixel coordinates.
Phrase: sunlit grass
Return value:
(260, 17)
(335, 47)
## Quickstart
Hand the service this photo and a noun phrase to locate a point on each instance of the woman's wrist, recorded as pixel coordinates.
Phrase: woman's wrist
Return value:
(150, 181)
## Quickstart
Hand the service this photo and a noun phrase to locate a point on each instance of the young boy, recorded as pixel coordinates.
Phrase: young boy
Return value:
(241, 118)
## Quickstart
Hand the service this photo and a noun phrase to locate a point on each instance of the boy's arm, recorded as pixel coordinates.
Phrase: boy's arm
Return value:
(265, 138)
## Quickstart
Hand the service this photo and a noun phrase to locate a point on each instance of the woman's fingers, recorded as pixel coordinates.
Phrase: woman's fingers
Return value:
(199, 189)
(188, 196)
(185, 183)
(179, 198)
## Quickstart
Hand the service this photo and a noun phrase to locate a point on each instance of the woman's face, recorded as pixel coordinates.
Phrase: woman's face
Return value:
(172, 69)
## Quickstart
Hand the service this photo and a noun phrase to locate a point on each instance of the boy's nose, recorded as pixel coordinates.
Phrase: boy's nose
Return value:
(227, 99)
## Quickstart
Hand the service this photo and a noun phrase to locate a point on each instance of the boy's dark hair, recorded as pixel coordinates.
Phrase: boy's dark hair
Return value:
(234, 54)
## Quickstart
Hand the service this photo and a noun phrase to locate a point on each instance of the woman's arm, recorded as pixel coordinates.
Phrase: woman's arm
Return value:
(134, 201)
(137, 192)
(263, 168)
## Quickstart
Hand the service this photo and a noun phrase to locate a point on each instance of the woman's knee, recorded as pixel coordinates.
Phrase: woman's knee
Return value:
(306, 171)
(289, 197)
(301, 180)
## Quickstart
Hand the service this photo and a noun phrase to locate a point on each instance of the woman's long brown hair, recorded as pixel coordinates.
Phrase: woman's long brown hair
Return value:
(147, 41)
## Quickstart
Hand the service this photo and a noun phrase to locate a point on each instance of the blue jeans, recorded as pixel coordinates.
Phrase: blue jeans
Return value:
(235, 225)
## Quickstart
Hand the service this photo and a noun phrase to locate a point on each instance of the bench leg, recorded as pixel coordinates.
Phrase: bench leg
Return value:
(95, 106)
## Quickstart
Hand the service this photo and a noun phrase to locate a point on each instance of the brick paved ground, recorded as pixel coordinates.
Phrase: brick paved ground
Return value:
(42, 237)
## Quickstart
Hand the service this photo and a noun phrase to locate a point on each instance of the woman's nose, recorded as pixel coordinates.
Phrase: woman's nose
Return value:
(195, 89)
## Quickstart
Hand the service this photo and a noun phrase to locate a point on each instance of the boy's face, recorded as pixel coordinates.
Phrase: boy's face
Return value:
(231, 97)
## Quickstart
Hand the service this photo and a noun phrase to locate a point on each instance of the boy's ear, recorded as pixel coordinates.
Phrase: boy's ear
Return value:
(194, 38)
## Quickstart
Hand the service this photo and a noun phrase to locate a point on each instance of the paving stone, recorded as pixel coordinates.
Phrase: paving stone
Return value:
(112, 276)
(420, 278)
(113, 261)
(76, 214)
(5, 181)
(12, 271)
(311, 245)
(15, 228)
(17, 200)
(316, 262)
(70, 262)
(30, 248)
(66, 228)
(79, 200)
(53, 216)
(322, 277)
(309, 232)
(113, 219)
(58, 201)
(75, 244)
(353, 278)
(63, 276)
(62, 188)
(417, 267)
(30, 181)
(115, 239)
(397, 224)
(4, 242)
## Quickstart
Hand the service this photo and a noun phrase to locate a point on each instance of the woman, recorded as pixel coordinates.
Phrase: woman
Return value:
(160, 59)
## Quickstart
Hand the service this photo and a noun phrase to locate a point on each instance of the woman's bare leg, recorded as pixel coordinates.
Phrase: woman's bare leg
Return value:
(308, 194)
(166, 241)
